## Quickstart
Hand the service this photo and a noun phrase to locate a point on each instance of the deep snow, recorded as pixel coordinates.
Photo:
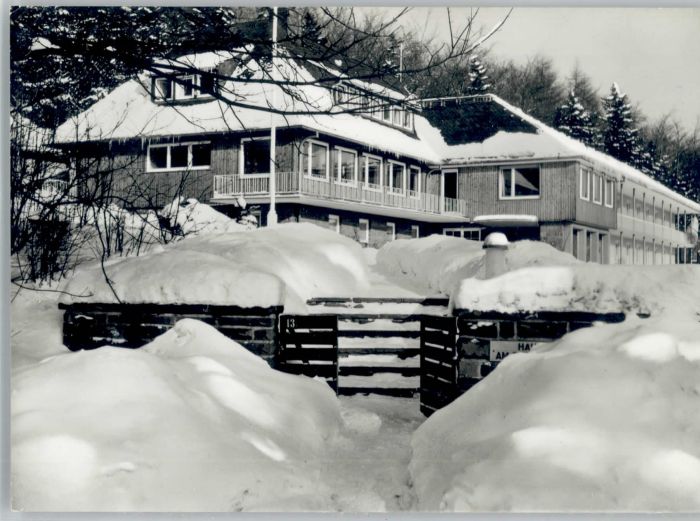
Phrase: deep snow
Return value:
(604, 419)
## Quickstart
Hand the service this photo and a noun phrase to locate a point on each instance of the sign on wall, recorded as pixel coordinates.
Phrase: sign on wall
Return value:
(502, 348)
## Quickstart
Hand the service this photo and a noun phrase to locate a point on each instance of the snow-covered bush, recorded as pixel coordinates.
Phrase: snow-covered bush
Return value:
(435, 264)
(286, 264)
(191, 422)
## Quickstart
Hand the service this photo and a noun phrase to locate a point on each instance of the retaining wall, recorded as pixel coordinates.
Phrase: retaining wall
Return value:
(91, 325)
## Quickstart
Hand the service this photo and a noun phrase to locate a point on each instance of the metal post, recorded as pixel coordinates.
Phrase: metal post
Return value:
(272, 213)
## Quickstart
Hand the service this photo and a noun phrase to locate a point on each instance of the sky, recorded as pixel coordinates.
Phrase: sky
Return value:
(653, 54)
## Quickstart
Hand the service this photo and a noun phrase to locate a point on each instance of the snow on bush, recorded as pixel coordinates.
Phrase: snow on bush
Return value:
(286, 264)
(435, 264)
(603, 419)
(190, 422)
(192, 217)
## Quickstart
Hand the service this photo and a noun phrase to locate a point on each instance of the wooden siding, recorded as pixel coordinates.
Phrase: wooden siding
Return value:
(478, 186)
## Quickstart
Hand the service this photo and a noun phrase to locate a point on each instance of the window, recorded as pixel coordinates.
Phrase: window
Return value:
(472, 234)
(585, 184)
(364, 231)
(315, 161)
(589, 246)
(520, 182)
(386, 114)
(372, 170)
(408, 119)
(450, 184)
(414, 181)
(334, 223)
(347, 166)
(397, 115)
(609, 193)
(255, 156)
(597, 188)
(415, 231)
(163, 89)
(184, 87)
(397, 175)
(179, 156)
(391, 228)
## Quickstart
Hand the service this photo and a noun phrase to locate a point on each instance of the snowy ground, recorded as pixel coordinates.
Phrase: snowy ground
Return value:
(604, 419)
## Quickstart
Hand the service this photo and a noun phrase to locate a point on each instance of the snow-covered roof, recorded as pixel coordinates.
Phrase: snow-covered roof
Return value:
(129, 112)
(546, 143)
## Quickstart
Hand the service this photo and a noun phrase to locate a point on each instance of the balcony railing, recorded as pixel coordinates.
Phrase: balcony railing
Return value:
(291, 183)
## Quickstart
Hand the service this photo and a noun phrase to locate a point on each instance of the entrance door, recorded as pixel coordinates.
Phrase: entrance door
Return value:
(451, 184)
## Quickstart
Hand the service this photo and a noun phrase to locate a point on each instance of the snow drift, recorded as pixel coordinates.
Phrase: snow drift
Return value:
(436, 264)
(286, 264)
(190, 422)
(602, 420)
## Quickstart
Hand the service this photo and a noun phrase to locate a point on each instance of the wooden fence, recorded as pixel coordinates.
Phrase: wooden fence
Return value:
(438, 363)
(309, 346)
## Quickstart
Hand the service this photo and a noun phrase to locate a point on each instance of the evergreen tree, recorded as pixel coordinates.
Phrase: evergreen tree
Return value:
(478, 79)
(619, 134)
(575, 121)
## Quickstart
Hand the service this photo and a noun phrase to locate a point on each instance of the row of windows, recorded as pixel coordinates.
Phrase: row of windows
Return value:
(179, 156)
(186, 87)
(643, 251)
(358, 100)
(364, 227)
(596, 188)
(639, 208)
(350, 167)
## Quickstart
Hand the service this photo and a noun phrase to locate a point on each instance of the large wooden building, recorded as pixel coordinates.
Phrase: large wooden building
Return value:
(373, 164)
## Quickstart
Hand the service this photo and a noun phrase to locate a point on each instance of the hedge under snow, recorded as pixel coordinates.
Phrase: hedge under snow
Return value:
(286, 264)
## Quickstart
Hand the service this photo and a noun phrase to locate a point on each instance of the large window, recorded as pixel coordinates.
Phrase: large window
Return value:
(414, 181)
(585, 184)
(397, 177)
(372, 171)
(255, 156)
(315, 160)
(347, 166)
(520, 182)
(179, 156)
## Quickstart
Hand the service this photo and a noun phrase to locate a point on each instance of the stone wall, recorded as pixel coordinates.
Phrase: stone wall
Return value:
(91, 325)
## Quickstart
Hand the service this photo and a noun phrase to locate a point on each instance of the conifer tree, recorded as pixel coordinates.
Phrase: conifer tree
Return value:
(575, 121)
(478, 79)
(619, 133)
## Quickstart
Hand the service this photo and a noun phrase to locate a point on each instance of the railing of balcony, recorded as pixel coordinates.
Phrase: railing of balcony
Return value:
(293, 183)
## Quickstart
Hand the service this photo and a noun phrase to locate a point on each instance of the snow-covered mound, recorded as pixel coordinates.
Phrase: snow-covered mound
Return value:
(435, 264)
(584, 287)
(191, 422)
(604, 419)
(286, 264)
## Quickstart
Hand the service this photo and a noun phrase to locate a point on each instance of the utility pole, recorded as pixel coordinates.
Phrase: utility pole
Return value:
(272, 182)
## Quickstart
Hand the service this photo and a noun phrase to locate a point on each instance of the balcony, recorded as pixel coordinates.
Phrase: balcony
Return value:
(294, 185)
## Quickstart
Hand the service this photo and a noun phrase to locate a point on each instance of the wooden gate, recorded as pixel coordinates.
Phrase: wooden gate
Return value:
(438, 363)
(309, 346)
